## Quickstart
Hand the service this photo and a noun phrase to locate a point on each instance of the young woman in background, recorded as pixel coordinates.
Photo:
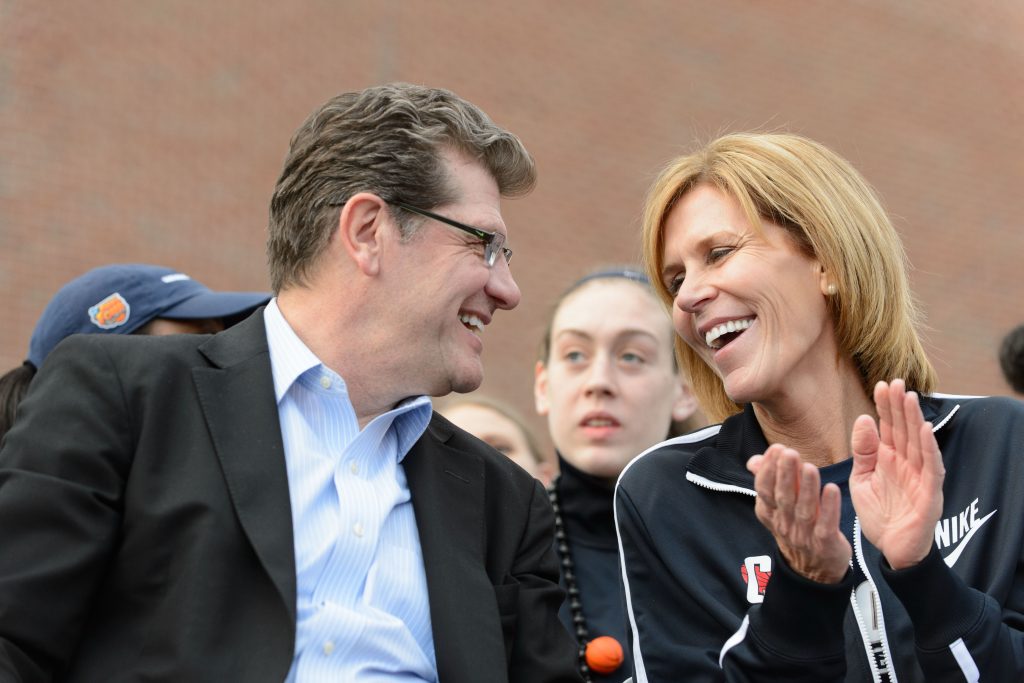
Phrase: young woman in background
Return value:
(607, 381)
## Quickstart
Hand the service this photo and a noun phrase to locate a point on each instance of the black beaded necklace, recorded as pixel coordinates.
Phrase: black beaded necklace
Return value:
(579, 622)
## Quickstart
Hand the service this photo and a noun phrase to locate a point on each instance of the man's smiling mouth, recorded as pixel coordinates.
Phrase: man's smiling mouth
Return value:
(472, 323)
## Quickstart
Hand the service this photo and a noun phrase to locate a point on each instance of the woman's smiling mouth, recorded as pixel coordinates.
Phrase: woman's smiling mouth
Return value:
(720, 335)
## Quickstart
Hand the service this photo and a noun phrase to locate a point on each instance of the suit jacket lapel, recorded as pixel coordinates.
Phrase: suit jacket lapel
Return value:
(447, 488)
(237, 399)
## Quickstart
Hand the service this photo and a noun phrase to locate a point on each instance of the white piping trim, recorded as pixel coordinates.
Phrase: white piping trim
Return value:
(640, 673)
(735, 639)
(965, 661)
(699, 435)
(942, 423)
(638, 656)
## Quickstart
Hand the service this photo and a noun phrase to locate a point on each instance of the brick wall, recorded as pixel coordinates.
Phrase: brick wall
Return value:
(154, 131)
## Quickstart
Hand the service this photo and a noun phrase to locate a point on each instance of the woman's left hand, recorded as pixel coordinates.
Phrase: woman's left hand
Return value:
(896, 482)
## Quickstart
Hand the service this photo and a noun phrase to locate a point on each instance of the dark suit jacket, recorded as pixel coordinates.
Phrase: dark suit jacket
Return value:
(146, 532)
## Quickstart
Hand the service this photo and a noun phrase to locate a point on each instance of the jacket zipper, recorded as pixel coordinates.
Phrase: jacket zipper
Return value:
(878, 653)
(706, 483)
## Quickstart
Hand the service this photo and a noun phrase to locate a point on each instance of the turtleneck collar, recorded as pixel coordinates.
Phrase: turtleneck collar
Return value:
(587, 505)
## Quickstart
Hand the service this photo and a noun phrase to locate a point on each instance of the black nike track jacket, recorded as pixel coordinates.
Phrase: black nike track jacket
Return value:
(710, 599)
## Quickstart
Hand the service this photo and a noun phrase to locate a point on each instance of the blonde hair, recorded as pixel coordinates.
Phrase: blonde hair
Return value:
(832, 214)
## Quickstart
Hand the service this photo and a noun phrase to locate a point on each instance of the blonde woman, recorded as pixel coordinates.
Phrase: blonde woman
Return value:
(788, 291)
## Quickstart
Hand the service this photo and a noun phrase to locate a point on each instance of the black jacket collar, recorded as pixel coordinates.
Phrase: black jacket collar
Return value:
(724, 459)
(587, 505)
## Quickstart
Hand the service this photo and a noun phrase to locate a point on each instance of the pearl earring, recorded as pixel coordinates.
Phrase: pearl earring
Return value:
(831, 289)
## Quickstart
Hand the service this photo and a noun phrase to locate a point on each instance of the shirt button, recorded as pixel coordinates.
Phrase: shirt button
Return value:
(329, 647)
(357, 529)
(353, 468)
(325, 382)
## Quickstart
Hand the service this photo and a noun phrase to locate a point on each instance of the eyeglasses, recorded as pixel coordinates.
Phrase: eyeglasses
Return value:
(493, 241)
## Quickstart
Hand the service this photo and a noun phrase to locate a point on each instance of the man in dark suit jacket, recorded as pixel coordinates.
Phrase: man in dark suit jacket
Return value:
(277, 502)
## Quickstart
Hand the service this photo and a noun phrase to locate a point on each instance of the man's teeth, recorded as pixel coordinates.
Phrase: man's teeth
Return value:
(472, 322)
(725, 328)
(599, 422)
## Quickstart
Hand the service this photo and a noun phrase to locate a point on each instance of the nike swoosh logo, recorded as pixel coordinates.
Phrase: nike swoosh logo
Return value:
(955, 555)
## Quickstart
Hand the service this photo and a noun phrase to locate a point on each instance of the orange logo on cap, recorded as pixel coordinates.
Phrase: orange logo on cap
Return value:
(111, 312)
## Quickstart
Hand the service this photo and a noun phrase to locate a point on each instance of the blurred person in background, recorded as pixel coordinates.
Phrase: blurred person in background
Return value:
(608, 384)
(123, 298)
(1011, 358)
(278, 502)
(789, 292)
(502, 428)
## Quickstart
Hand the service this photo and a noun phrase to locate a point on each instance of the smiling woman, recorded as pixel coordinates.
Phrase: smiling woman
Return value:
(609, 387)
(789, 296)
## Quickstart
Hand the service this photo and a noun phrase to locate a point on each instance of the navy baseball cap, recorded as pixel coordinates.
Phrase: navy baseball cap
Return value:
(121, 298)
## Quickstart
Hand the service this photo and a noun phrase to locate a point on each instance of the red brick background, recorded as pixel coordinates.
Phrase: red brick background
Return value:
(154, 131)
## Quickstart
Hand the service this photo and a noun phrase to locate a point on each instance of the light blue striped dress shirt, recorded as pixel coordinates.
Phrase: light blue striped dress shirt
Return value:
(363, 613)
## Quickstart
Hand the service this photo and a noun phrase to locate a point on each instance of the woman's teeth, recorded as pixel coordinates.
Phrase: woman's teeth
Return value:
(715, 333)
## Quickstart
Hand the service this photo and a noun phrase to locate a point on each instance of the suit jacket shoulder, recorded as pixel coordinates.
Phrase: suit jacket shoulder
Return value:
(145, 505)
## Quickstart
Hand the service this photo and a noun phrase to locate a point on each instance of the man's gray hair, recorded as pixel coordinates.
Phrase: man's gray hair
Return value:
(389, 140)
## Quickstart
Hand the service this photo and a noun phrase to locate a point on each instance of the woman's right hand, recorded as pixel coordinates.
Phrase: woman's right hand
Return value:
(805, 524)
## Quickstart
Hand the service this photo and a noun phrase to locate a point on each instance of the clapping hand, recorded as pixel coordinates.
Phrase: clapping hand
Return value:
(803, 517)
(896, 482)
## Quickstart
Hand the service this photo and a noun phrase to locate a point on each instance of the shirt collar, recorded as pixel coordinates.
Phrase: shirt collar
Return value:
(289, 356)
(411, 418)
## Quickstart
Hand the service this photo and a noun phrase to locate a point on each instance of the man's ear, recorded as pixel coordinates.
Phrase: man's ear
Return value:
(540, 389)
(362, 228)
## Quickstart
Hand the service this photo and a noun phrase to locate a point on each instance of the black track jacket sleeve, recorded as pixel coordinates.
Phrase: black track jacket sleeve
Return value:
(682, 631)
(960, 633)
